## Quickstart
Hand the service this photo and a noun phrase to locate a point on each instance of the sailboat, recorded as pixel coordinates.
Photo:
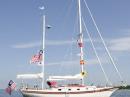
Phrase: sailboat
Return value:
(69, 90)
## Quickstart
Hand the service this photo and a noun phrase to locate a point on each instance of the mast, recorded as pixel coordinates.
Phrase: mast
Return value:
(43, 47)
(80, 41)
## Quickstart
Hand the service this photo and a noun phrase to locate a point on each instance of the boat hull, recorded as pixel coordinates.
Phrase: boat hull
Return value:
(99, 93)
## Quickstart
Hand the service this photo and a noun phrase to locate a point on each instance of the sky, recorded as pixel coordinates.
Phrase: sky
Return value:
(21, 38)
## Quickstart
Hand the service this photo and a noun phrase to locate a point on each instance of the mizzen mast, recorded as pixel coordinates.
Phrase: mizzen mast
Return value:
(43, 47)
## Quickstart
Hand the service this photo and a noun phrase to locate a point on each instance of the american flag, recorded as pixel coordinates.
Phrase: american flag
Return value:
(37, 58)
(12, 84)
(11, 87)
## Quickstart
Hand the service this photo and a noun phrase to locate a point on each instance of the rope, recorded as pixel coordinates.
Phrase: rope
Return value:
(107, 80)
(104, 42)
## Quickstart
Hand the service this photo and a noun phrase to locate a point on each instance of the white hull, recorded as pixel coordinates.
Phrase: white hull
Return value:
(87, 93)
(100, 94)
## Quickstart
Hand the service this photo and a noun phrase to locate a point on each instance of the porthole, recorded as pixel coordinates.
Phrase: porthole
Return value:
(69, 89)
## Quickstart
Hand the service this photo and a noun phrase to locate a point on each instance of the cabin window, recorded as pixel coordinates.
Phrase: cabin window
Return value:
(59, 89)
(78, 89)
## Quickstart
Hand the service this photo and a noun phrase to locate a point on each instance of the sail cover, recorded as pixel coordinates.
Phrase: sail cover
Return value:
(69, 77)
(30, 76)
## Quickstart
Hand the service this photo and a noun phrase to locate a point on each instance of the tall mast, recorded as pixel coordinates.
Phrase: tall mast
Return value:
(43, 47)
(80, 42)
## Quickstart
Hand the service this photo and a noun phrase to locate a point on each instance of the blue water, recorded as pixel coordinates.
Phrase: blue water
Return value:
(119, 93)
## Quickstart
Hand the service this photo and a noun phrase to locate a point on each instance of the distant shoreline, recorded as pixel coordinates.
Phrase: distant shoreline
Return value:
(124, 87)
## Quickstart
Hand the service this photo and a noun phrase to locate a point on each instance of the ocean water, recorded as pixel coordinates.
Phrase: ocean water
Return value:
(119, 93)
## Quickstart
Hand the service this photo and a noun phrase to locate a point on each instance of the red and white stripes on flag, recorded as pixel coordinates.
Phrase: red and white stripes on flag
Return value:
(13, 86)
(37, 58)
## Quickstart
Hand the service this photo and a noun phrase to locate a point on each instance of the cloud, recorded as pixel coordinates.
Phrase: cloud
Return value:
(92, 62)
(63, 63)
(76, 62)
(120, 44)
(49, 43)
(26, 45)
(64, 42)
(38, 43)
